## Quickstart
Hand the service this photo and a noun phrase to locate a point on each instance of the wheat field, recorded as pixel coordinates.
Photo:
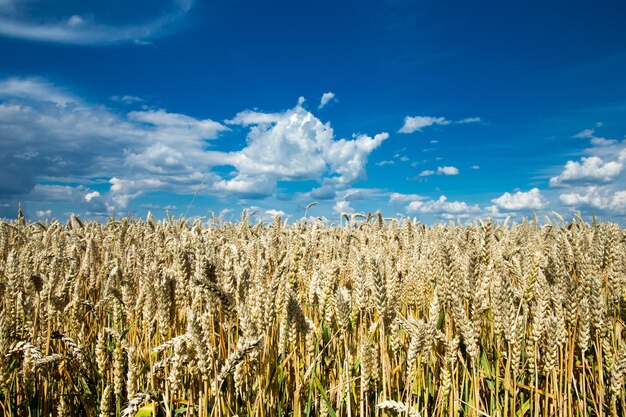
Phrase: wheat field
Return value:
(376, 317)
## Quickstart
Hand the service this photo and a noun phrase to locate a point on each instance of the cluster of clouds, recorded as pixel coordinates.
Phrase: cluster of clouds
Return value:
(51, 138)
(445, 170)
(506, 204)
(594, 181)
(37, 20)
(597, 180)
(60, 148)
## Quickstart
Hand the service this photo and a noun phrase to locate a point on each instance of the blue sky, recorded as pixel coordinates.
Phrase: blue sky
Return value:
(434, 110)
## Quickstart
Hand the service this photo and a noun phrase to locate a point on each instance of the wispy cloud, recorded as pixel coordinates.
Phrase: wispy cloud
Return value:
(595, 140)
(36, 21)
(417, 123)
(127, 99)
(383, 163)
(35, 89)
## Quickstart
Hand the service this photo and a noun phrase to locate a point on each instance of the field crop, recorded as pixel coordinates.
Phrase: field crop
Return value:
(375, 317)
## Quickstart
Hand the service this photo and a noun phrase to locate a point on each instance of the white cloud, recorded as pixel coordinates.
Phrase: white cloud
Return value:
(599, 197)
(520, 200)
(446, 170)
(75, 21)
(618, 202)
(417, 123)
(92, 195)
(422, 205)
(595, 140)
(450, 170)
(290, 146)
(383, 163)
(326, 98)
(441, 205)
(602, 141)
(127, 99)
(44, 213)
(38, 21)
(396, 198)
(590, 169)
(249, 117)
(81, 196)
(47, 133)
(275, 213)
(475, 167)
(341, 207)
(590, 197)
(585, 134)
(468, 120)
(35, 89)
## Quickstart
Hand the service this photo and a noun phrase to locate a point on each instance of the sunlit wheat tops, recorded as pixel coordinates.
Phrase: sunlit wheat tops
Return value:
(374, 317)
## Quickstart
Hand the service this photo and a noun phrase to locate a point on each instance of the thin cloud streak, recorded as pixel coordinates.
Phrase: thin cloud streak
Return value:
(77, 31)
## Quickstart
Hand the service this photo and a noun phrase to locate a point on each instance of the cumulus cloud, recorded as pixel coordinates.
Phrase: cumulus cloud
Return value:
(418, 204)
(520, 200)
(590, 169)
(597, 179)
(39, 21)
(598, 197)
(417, 123)
(342, 207)
(426, 173)
(326, 98)
(441, 205)
(290, 146)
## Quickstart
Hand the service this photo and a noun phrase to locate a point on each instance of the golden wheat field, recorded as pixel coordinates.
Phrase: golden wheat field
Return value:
(376, 317)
